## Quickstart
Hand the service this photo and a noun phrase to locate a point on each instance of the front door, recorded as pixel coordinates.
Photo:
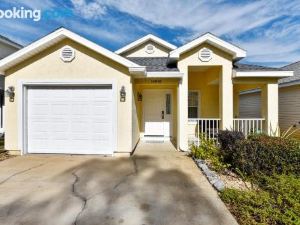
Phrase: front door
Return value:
(157, 108)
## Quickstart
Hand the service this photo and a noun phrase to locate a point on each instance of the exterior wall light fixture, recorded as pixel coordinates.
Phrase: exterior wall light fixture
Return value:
(122, 94)
(139, 96)
(10, 92)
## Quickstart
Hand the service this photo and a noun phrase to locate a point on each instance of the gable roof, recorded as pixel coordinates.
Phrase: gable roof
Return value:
(294, 67)
(154, 64)
(7, 41)
(235, 51)
(143, 40)
(54, 38)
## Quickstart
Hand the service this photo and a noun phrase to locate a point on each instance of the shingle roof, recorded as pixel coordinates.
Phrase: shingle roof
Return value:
(154, 64)
(248, 67)
(294, 67)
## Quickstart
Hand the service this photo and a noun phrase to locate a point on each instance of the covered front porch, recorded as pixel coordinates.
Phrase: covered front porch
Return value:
(213, 104)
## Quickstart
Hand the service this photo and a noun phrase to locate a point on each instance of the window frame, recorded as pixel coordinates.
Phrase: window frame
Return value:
(198, 103)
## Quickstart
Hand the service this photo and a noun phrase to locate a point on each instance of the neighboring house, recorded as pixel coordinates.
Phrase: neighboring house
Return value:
(7, 47)
(74, 96)
(289, 101)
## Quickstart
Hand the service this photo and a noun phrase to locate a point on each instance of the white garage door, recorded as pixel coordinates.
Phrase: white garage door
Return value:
(74, 120)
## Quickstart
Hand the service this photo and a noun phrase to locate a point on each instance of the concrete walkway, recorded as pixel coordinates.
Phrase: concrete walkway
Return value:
(157, 186)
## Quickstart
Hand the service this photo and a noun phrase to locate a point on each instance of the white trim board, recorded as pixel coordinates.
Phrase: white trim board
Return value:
(22, 116)
(54, 38)
(279, 74)
(164, 74)
(143, 40)
(237, 52)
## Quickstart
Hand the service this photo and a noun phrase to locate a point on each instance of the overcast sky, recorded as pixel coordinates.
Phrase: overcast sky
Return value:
(269, 30)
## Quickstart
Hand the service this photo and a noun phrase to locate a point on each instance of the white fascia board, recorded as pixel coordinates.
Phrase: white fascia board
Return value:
(213, 40)
(164, 74)
(59, 34)
(143, 40)
(140, 70)
(278, 74)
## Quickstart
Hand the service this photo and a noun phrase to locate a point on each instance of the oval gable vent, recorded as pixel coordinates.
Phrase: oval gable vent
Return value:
(150, 49)
(67, 54)
(205, 54)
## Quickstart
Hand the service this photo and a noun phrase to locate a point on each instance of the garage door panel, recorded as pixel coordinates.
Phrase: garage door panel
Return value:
(75, 120)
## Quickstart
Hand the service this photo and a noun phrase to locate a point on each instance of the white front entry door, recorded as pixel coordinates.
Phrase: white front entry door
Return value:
(72, 120)
(157, 110)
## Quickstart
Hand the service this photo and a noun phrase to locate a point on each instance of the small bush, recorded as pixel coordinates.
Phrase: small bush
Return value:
(276, 203)
(228, 140)
(209, 151)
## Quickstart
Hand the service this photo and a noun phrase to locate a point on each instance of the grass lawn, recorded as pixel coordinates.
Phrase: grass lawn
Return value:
(277, 201)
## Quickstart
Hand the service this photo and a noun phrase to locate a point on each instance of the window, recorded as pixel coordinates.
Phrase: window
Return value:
(193, 103)
(168, 104)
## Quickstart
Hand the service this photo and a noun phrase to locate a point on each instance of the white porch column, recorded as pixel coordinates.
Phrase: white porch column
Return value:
(182, 111)
(226, 98)
(269, 96)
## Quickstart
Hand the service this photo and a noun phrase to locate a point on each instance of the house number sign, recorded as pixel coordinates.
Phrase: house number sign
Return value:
(155, 81)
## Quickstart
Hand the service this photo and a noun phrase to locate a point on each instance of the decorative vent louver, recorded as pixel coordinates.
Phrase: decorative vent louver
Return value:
(67, 54)
(205, 54)
(150, 49)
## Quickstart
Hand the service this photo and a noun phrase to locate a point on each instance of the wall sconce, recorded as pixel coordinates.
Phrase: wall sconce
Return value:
(10, 92)
(122, 94)
(139, 96)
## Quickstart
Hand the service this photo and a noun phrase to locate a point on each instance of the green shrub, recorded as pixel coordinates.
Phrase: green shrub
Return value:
(261, 154)
(228, 140)
(209, 151)
(276, 203)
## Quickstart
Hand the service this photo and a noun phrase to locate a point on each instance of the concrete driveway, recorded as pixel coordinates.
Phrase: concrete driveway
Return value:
(158, 185)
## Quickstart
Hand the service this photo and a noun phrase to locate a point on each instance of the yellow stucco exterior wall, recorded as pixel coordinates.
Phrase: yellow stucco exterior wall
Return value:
(190, 61)
(87, 65)
(207, 84)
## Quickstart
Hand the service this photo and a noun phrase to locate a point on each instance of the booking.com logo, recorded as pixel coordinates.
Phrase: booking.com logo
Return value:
(21, 13)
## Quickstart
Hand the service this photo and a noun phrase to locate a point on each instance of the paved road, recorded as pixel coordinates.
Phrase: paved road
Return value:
(157, 186)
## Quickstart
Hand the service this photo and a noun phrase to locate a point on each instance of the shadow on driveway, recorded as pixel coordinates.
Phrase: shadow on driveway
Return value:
(143, 189)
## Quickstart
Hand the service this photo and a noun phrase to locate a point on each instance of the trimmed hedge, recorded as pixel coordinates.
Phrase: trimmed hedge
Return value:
(260, 154)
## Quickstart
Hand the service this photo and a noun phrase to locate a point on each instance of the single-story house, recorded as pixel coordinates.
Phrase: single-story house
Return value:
(67, 94)
(7, 47)
(289, 101)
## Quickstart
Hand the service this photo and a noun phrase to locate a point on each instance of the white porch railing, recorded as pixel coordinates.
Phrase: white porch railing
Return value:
(206, 127)
(248, 125)
(209, 127)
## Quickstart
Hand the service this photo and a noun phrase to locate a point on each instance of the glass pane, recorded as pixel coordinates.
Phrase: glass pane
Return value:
(168, 104)
(193, 112)
(193, 98)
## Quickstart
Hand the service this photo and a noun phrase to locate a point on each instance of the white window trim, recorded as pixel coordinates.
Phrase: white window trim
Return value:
(22, 115)
(198, 106)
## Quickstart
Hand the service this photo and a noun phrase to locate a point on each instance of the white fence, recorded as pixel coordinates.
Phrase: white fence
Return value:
(248, 125)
